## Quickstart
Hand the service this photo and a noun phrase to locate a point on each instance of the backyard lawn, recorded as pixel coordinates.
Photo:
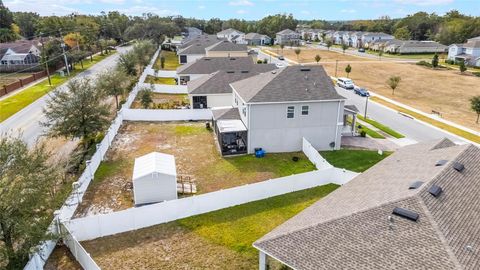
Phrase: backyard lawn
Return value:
(196, 157)
(171, 61)
(164, 101)
(217, 240)
(160, 80)
(8, 78)
(17, 102)
(353, 160)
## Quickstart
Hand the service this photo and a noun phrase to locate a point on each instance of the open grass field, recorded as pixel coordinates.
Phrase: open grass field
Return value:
(11, 105)
(171, 61)
(353, 160)
(164, 101)
(196, 156)
(308, 55)
(159, 80)
(216, 240)
(8, 78)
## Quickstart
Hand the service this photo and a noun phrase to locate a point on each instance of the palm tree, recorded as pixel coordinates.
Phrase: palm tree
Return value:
(318, 58)
(393, 82)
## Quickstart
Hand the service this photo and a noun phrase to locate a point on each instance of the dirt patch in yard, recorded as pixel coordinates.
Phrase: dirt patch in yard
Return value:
(442, 90)
(62, 258)
(164, 101)
(196, 157)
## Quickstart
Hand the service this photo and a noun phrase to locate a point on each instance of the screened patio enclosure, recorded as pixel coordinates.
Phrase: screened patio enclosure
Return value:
(232, 137)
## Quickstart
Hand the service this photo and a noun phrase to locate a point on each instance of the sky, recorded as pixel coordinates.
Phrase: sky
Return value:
(250, 9)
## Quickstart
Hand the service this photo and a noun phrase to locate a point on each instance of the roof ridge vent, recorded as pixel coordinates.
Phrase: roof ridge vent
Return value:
(415, 185)
(304, 69)
(405, 213)
(441, 162)
(458, 166)
(230, 71)
(435, 190)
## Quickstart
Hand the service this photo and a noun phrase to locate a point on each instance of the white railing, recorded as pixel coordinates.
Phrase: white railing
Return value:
(37, 260)
(166, 88)
(77, 250)
(314, 156)
(167, 115)
(92, 227)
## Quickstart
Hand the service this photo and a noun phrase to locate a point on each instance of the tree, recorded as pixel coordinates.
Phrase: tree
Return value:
(318, 58)
(402, 33)
(6, 17)
(380, 53)
(329, 44)
(282, 46)
(475, 106)
(344, 47)
(146, 97)
(76, 112)
(348, 69)
(435, 60)
(162, 62)
(27, 21)
(127, 63)
(393, 82)
(461, 66)
(74, 40)
(297, 52)
(27, 197)
(113, 83)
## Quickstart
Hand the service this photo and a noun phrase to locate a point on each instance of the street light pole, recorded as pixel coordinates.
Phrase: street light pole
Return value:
(366, 107)
(336, 67)
(65, 58)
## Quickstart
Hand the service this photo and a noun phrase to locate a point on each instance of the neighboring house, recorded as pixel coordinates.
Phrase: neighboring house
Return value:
(414, 46)
(337, 37)
(208, 65)
(19, 55)
(417, 209)
(192, 32)
(226, 48)
(468, 52)
(275, 110)
(311, 34)
(370, 37)
(232, 35)
(194, 49)
(257, 39)
(214, 89)
(287, 37)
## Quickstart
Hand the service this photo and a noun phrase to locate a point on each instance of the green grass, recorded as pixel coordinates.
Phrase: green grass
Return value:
(239, 226)
(370, 132)
(382, 127)
(11, 105)
(188, 130)
(160, 80)
(171, 61)
(460, 132)
(353, 160)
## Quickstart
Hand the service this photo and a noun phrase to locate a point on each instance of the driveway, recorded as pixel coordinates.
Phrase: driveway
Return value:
(27, 121)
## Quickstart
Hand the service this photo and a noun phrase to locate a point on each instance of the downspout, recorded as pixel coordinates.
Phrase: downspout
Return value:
(336, 125)
(248, 128)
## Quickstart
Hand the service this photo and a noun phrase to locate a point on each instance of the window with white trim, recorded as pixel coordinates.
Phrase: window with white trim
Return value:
(244, 111)
(290, 112)
(305, 110)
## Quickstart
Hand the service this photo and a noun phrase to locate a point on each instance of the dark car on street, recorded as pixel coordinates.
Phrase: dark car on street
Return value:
(361, 50)
(280, 57)
(361, 92)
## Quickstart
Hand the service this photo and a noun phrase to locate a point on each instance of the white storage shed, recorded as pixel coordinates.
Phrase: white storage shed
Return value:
(154, 178)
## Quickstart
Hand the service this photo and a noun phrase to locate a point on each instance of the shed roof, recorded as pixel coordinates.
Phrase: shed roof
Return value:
(154, 163)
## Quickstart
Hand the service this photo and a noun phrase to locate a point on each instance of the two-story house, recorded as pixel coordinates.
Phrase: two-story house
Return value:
(257, 39)
(468, 52)
(287, 37)
(19, 55)
(232, 35)
(372, 37)
(275, 110)
(194, 48)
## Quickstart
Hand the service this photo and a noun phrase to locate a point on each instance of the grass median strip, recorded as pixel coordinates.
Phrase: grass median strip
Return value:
(370, 132)
(13, 104)
(382, 127)
(462, 133)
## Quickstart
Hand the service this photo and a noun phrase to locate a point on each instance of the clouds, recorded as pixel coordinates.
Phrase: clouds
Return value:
(241, 3)
(424, 2)
(350, 10)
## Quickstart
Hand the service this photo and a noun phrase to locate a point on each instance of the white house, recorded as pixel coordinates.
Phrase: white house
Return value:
(232, 35)
(154, 178)
(287, 36)
(468, 52)
(194, 48)
(257, 39)
(19, 55)
(275, 110)
(371, 37)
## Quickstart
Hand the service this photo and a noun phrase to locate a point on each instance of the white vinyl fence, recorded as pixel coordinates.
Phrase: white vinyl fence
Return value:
(80, 254)
(166, 88)
(161, 73)
(37, 260)
(314, 156)
(167, 115)
(92, 227)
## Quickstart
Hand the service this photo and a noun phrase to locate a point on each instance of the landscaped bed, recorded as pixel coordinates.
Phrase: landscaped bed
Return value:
(164, 101)
(197, 159)
(216, 240)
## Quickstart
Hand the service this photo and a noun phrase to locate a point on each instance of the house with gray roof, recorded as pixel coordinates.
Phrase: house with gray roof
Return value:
(214, 90)
(413, 46)
(257, 39)
(468, 52)
(232, 35)
(19, 55)
(287, 37)
(277, 109)
(193, 49)
(226, 48)
(416, 209)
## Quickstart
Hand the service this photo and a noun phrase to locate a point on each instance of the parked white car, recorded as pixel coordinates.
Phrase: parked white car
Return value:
(345, 83)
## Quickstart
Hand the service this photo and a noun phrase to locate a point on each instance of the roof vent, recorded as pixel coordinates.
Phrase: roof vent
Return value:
(415, 185)
(274, 72)
(435, 190)
(304, 69)
(232, 58)
(207, 59)
(405, 213)
(230, 71)
(244, 71)
(458, 166)
(441, 162)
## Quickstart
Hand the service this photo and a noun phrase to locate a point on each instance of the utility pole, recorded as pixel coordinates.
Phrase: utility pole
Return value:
(366, 107)
(45, 59)
(64, 55)
(78, 50)
(336, 67)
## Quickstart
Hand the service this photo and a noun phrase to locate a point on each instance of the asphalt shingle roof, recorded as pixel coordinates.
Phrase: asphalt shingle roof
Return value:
(349, 229)
(292, 83)
(207, 65)
(227, 46)
(226, 114)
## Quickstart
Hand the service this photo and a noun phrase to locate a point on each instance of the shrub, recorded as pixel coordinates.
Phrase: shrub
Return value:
(424, 63)
(363, 133)
(259, 61)
(476, 73)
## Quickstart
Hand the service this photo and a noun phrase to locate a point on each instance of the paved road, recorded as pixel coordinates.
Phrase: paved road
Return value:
(27, 121)
(271, 59)
(411, 128)
(365, 55)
